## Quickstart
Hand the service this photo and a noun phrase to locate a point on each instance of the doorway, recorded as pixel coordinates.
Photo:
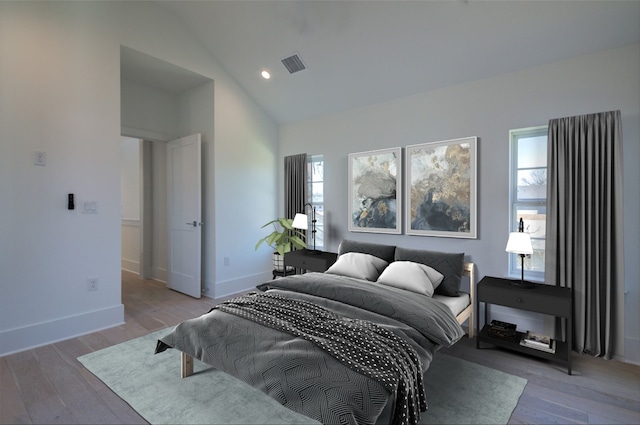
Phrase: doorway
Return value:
(160, 101)
(161, 219)
(143, 232)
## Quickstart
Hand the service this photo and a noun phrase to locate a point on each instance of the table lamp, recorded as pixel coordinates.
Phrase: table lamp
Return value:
(301, 221)
(520, 243)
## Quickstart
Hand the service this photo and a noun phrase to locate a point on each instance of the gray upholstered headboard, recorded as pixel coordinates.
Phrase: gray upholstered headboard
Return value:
(449, 264)
(386, 252)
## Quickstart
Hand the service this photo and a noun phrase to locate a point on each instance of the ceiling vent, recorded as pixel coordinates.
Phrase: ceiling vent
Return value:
(293, 63)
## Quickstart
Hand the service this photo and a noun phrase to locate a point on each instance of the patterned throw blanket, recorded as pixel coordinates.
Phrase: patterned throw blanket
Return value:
(361, 345)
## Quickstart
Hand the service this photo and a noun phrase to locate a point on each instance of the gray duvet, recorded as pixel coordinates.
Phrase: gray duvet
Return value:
(297, 372)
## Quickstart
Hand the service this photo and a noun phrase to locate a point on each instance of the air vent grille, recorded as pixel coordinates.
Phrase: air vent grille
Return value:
(293, 63)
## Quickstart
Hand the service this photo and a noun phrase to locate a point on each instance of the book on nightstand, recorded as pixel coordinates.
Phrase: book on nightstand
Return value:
(503, 330)
(538, 341)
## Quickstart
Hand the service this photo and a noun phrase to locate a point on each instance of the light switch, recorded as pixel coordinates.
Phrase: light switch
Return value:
(90, 207)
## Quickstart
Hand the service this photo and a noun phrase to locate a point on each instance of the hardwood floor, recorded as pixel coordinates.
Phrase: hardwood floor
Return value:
(47, 385)
(598, 392)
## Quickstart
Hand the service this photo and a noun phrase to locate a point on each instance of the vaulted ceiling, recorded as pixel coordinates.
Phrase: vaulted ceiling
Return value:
(358, 53)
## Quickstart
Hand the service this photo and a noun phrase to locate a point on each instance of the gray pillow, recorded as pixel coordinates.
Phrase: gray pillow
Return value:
(449, 264)
(385, 252)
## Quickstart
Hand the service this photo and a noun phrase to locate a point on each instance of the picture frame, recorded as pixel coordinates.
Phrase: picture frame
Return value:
(375, 191)
(441, 188)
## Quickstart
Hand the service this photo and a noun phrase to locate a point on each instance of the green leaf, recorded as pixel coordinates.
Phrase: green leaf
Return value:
(298, 242)
(284, 237)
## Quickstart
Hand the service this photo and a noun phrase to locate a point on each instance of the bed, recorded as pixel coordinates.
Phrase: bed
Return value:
(349, 345)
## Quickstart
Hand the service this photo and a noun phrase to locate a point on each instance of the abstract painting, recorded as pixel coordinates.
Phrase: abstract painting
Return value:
(441, 188)
(375, 195)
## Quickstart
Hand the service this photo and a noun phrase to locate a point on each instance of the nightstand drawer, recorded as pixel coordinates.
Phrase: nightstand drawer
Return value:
(315, 261)
(309, 263)
(525, 299)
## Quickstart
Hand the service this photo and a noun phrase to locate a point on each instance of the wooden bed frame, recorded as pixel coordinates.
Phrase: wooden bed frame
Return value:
(186, 361)
(467, 313)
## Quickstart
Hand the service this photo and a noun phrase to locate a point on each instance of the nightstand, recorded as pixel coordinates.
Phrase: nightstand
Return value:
(313, 261)
(546, 299)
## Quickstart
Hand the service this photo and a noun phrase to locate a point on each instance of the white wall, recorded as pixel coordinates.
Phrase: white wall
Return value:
(488, 109)
(148, 111)
(60, 92)
(246, 165)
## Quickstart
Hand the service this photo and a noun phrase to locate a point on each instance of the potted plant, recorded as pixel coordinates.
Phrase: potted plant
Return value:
(283, 239)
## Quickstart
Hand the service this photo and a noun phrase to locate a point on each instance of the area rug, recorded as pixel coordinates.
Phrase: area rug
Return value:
(458, 391)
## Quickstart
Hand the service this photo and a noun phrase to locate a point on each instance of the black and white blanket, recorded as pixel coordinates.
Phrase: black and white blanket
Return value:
(307, 340)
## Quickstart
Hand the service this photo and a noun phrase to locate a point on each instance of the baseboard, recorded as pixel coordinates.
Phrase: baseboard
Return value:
(232, 287)
(631, 350)
(39, 334)
(160, 274)
(130, 265)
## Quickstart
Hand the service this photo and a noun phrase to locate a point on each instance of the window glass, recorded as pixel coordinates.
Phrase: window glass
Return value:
(532, 183)
(528, 196)
(532, 151)
(315, 193)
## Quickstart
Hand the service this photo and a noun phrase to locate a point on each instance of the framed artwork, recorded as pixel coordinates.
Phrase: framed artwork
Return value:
(441, 188)
(375, 194)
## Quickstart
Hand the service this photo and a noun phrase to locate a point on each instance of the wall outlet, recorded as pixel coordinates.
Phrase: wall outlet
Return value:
(227, 261)
(39, 158)
(92, 284)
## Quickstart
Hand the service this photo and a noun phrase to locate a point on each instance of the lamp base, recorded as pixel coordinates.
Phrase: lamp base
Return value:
(523, 284)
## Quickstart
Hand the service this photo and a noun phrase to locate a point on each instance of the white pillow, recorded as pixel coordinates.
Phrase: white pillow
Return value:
(414, 277)
(358, 265)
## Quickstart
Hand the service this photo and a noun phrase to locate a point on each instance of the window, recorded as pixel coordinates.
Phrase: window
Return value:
(315, 191)
(528, 196)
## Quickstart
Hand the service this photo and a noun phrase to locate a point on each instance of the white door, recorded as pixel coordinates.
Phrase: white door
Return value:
(185, 226)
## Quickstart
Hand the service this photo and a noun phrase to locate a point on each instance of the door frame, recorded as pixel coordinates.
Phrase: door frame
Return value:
(146, 216)
(147, 138)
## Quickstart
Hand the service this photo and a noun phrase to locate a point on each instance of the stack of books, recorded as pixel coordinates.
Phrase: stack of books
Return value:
(538, 341)
(503, 330)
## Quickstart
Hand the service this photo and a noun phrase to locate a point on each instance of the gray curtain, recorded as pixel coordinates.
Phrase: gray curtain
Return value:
(295, 184)
(584, 249)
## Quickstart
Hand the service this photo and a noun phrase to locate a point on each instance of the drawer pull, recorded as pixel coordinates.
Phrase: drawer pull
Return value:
(520, 300)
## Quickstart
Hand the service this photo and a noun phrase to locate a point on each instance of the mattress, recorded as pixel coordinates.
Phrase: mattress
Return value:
(455, 304)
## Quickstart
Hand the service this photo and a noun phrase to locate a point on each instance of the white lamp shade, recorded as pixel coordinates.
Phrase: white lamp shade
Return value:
(519, 243)
(300, 221)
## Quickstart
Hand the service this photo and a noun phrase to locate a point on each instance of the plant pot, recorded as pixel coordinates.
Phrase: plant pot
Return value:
(278, 262)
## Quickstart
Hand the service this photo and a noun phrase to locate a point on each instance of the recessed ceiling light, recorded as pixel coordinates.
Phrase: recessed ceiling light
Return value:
(265, 74)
